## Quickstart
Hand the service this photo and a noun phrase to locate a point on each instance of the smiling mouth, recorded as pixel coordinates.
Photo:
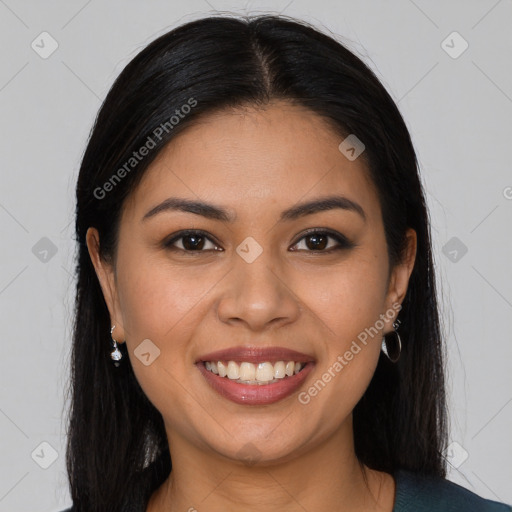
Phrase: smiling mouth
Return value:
(245, 372)
(235, 381)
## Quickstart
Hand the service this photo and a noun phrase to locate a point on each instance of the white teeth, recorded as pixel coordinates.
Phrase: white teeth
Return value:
(264, 372)
(210, 365)
(280, 370)
(249, 373)
(222, 369)
(233, 371)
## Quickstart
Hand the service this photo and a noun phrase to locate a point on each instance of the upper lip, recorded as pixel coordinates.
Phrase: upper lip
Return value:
(256, 355)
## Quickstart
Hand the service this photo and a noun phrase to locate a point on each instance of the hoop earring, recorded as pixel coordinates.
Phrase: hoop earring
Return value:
(116, 354)
(392, 347)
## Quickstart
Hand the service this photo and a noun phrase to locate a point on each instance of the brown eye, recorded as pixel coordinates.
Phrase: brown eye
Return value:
(318, 241)
(191, 241)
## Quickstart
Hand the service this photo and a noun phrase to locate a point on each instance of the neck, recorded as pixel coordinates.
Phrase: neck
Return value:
(327, 477)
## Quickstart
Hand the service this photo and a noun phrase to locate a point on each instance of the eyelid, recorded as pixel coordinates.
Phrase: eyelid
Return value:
(169, 241)
(342, 240)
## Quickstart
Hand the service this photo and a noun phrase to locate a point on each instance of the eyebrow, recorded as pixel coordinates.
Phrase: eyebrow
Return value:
(211, 211)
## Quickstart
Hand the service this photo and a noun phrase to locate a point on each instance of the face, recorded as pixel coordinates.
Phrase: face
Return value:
(257, 280)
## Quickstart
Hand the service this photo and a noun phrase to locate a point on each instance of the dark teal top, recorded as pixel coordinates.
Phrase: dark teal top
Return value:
(418, 493)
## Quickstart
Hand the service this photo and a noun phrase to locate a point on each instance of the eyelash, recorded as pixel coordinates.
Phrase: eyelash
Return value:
(343, 242)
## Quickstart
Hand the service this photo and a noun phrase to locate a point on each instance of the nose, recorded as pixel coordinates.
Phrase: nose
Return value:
(257, 294)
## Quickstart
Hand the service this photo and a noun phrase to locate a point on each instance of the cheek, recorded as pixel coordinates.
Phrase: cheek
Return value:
(348, 298)
(348, 303)
(157, 300)
(349, 347)
(162, 305)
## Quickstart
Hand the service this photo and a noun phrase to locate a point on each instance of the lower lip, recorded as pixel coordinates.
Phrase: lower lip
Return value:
(255, 394)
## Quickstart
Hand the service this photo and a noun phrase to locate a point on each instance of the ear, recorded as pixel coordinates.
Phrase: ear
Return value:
(400, 275)
(106, 276)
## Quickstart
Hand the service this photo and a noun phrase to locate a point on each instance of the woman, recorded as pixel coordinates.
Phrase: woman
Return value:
(256, 298)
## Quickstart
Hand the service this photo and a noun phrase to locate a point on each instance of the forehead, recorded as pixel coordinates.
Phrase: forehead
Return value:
(252, 158)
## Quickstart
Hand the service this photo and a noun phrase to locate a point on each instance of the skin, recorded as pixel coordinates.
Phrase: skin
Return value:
(256, 163)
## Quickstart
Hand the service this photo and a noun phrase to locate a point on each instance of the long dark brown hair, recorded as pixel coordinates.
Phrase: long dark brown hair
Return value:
(117, 452)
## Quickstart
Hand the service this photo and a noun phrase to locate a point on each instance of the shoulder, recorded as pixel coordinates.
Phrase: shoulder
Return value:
(421, 493)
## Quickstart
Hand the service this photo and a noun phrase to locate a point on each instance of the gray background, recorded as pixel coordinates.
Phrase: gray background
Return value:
(457, 109)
